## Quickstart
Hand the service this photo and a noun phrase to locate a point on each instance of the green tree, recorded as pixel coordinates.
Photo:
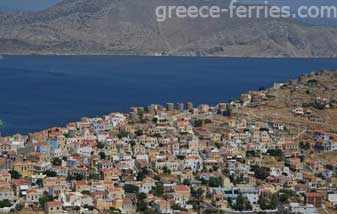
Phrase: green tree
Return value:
(132, 143)
(15, 174)
(50, 173)
(5, 203)
(166, 171)
(267, 203)
(214, 182)
(86, 192)
(129, 188)
(77, 177)
(304, 146)
(100, 145)
(141, 203)
(142, 174)
(261, 172)
(158, 190)
(122, 134)
(44, 199)
(57, 161)
(285, 194)
(178, 207)
(19, 206)
(242, 204)
(197, 193)
(275, 152)
(114, 210)
(39, 182)
(140, 132)
(198, 123)
(187, 182)
(102, 155)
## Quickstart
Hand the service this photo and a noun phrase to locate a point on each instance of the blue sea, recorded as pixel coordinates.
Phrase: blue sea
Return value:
(38, 92)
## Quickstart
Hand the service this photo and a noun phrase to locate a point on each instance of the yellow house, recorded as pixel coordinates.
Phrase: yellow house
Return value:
(25, 168)
(54, 207)
(62, 141)
(103, 204)
(110, 174)
(118, 204)
(182, 193)
(54, 181)
(116, 192)
(5, 147)
(216, 138)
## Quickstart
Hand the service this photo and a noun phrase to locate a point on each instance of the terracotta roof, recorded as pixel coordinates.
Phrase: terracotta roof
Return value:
(31, 191)
(4, 173)
(115, 189)
(181, 188)
(5, 189)
(19, 182)
(54, 203)
(81, 182)
(313, 194)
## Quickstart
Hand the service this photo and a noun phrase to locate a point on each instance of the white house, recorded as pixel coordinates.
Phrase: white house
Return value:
(146, 185)
(194, 163)
(303, 209)
(6, 192)
(332, 198)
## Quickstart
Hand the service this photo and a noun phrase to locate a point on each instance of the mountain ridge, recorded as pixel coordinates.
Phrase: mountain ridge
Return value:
(114, 27)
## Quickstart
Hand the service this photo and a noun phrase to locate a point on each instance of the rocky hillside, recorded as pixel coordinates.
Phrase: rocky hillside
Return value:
(130, 27)
(307, 104)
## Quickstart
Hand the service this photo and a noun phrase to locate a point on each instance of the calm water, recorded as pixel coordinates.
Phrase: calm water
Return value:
(39, 92)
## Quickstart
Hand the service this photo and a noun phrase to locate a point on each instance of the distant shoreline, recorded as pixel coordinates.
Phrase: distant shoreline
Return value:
(167, 56)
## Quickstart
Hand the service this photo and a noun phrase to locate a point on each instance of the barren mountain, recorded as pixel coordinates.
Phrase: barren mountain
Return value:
(130, 27)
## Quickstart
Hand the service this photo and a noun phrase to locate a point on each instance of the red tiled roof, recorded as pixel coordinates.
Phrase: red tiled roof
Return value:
(5, 189)
(181, 188)
(31, 191)
(313, 194)
(19, 182)
(54, 203)
(81, 182)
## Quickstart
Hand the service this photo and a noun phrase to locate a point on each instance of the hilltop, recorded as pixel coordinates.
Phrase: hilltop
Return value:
(129, 27)
(307, 104)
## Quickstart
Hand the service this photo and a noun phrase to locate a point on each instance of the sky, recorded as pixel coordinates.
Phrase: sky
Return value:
(43, 4)
(31, 5)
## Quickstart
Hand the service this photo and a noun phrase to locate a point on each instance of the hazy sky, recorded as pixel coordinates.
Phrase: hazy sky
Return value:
(26, 4)
(42, 4)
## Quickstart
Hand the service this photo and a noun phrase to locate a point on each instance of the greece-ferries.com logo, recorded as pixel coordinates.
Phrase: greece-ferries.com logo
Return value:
(235, 10)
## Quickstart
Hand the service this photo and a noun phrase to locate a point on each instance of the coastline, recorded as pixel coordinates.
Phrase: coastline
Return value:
(168, 55)
(127, 114)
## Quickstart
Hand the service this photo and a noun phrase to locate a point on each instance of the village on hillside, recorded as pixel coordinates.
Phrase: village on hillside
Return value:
(273, 150)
